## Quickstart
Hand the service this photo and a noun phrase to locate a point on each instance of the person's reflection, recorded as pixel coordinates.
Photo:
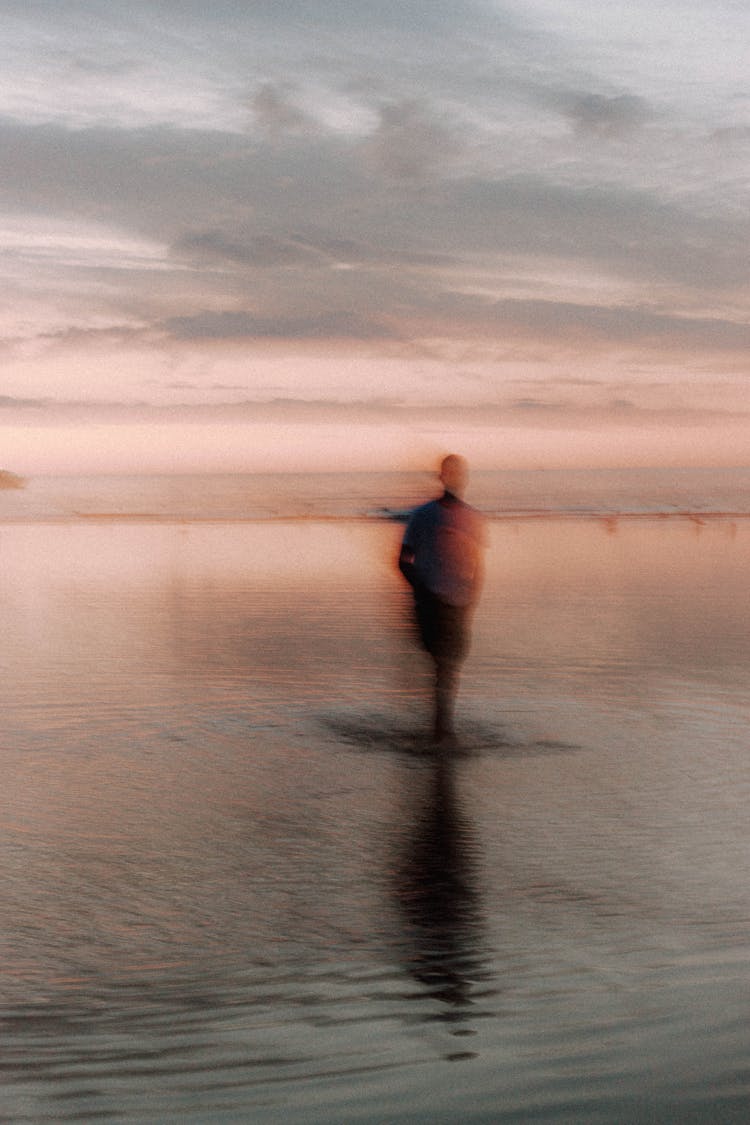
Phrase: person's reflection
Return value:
(438, 898)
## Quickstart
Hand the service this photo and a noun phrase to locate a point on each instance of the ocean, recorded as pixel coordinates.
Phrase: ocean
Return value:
(499, 494)
(238, 884)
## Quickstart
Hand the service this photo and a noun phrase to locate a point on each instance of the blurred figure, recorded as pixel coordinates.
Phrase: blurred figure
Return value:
(441, 557)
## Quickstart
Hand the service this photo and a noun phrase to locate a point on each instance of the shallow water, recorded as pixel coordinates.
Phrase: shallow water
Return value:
(236, 885)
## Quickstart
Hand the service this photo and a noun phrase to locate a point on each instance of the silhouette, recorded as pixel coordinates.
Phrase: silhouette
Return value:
(441, 558)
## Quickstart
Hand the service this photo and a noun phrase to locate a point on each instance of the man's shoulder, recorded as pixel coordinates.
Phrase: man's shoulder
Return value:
(422, 518)
(425, 512)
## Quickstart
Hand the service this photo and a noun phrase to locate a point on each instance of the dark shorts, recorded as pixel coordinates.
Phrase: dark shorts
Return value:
(443, 629)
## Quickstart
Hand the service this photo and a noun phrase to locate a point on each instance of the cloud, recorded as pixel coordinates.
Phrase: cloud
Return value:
(316, 250)
(242, 325)
(256, 251)
(302, 241)
(446, 183)
(359, 22)
(731, 135)
(487, 415)
(605, 116)
(411, 142)
(534, 404)
(275, 111)
(608, 116)
(629, 325)
(632, 233)
(586, 326)
(229, 197)
(101, 67)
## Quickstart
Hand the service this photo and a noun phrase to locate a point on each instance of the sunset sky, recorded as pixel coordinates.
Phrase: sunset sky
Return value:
(355, 232)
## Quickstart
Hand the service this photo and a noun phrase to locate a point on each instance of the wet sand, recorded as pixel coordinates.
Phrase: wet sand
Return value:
(238, 885)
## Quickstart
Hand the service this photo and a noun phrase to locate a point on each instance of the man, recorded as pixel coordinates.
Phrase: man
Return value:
(441, 557)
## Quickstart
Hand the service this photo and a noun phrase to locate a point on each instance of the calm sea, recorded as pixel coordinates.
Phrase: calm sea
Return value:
(374, 495)
(236, 885)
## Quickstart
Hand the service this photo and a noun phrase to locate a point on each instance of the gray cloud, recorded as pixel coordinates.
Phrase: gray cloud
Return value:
(101, 67)
(316, 250)
(236, 325)
(633, 233)
(577, 325)
(404, 248)
(622, 325)
(299, 292)
(583, 327)
(245, 201)
(535, 404)
(345, 16)
(410, 142)
(731, 135)
(275, 111)
(605, 116)
(257, 251)
(360, 171)
(602, 114)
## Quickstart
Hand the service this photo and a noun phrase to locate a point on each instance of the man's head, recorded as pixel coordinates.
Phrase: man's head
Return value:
(454, 473)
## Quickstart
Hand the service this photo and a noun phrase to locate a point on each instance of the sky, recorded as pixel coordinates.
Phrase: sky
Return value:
(356, 233)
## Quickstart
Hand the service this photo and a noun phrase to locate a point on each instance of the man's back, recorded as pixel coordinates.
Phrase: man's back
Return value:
(444, 539)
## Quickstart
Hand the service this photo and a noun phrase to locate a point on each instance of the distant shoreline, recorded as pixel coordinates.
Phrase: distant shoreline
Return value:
(541, 515)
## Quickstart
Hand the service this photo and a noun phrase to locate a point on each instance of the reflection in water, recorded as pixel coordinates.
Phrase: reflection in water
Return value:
(436, 889)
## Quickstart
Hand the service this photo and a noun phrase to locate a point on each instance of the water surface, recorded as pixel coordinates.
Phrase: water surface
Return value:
(236, 885)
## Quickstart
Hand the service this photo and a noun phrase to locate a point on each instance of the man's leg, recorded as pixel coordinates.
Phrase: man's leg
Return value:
(449, 653)
(446, 686)
(444, 630)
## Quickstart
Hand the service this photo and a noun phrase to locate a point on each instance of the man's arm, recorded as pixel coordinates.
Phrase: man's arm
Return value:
(408, 556)
(406, 564)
